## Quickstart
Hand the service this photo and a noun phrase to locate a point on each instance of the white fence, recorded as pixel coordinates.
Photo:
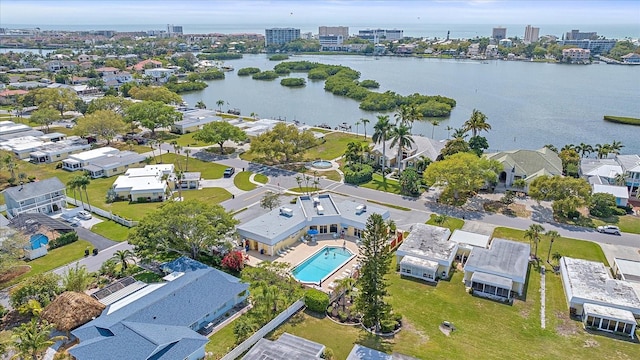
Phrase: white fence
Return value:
(282, 317)
(103, 213)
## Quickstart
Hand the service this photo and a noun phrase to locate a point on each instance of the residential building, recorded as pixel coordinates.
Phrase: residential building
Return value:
(9, 97)
(79, 161)
(467, 241)
(190, 180)
(22, 146)
(605, 171)
(194, 120)
(57, 65)
(44, 196)
(147, 64)
(162, 320)
(601, 302)
(159, 75)
(56, 151)
(499, 33)
(280, 36)
(334, 30)
(377, 35)
(80, 90)
(531, 34)
(116, 79)
(527, 165)
(422, 147)
(577, 35)
(115, 164)
(330, 40)
(621, 193)
(473, 50)
(287, 346)
(499, 271)
(285, 226)
(631, 58)
(426, 253)
(9, 127)
(150, 183)
(596, 47)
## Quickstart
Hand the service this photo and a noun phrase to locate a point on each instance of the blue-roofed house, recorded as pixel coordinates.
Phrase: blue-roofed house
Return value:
(160, 321)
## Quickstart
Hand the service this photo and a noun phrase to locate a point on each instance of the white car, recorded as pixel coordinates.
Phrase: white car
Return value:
(609, 229)
(84, 215)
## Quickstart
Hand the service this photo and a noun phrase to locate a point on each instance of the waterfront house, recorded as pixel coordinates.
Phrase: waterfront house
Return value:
(631, 58)
(576, 55)
(162, 320)
(605, 171)
(621, 193)
(499, 271)
(159, 75)
(601, 302)
(147, 64)
(286, 225)
(426, 253)
(526, 164)
(422, 147)
(45, 196)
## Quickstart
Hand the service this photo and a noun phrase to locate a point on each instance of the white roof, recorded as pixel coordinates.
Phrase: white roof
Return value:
(139, 184)
(425, 264)
(620, 192)
(428, 242)
(609, 312)
(629, 269)
(606, 170)
(490, 279)
(469, 238)
(93, 154)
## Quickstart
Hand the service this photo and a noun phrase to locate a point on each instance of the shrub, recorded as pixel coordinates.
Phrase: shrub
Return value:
(278, 57)
(316, 300)
(293, 82)
(142, 200)
(248, 71)
(619, 211)
(358, 174)
(343, 316)
(387, 326)
(370, 84)
(212, 74)
(234, 260)
(63, 239)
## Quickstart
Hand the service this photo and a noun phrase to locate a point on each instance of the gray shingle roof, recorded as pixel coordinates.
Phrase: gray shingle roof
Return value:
(504, 258)
(31, 190)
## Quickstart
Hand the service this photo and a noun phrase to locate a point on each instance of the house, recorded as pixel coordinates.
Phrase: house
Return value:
(147, 64)
(631, 58)
(527, 165)
(422, 147)
(287, 346)
(150, 183)
(55, 151)
(22, 147)
(284, 226)
(80, 90)
(44, 196)
(426, 253)
(162, 320)
(9, 97)
(190, 180)
(57, 65)
(159, 75)
(499, 271)
(607, 171)
(621, 193)
(114, 164)
(467, 241)
(194, 120)
(601, 302)
(9, 127)
(79, 161)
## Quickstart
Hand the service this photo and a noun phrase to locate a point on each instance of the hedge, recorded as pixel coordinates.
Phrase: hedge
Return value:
(360, 175)
(316, 300)
(63, 239)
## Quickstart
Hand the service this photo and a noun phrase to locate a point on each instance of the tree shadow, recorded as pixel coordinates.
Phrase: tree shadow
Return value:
(376, 342)
(541, 214)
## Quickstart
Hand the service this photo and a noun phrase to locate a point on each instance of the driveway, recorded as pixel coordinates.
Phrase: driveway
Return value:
(98, 241)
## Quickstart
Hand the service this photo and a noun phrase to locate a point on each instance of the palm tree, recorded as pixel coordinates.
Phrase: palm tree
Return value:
(459, 134)
(123, 257)
(422, 163)
(299, 181)
(401, 135)
(584, 149)
(602, 150)
(74, 184)
(83, 182)
(620, 180)
(31, 339)
(219, 103)
(556, 256)
(201, 105)
(440, 219)
(357, 124)
(10, 163)
(448, 128)
(403, 116)
(615, 147)
(380, 134)
(434, 122)
(345, 285)
(364, 126)
(476, 123)
(187, 151)
(553, 235)
(533, 234)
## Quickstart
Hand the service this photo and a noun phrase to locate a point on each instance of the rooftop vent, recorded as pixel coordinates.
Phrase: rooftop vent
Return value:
(320, 210)
(361, 208)
(286, 211)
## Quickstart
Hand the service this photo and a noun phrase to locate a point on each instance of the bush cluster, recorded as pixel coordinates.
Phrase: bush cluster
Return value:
(212, 74)
(186, 86)
(316, 300)
(265, 75)
(248, 71)
(278, 57)
(358, 174)
(218, 56)
(293, 82)
(63, 239)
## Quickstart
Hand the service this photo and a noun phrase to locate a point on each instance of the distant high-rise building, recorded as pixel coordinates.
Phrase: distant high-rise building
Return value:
(577, 35)
(499, 33)
(334, 30)
(531, 34)
(174, 30)
(376, 35)
(279, 36)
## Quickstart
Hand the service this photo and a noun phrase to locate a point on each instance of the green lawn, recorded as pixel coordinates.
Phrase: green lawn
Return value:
(111, 230)
(54, 259)
(452, 223)
(188, 140)
(221, 342)
(261, 178)
(334, 146)
(241, 181)
(148, 277)
(627, 223)
(387, 185)
(208, 195)
(303, 189)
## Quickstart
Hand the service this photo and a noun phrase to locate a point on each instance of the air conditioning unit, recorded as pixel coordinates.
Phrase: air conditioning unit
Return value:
(320, 210)
(286, 211)
(361, 208)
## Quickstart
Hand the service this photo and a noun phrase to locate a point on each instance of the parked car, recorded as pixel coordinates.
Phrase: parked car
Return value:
(84, 215)
(609, 229)
(228, 172)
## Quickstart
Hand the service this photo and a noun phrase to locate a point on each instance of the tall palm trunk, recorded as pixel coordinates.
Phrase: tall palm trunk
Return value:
(384, 156)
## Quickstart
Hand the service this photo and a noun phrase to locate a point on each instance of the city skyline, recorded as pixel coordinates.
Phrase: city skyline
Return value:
(353, 13)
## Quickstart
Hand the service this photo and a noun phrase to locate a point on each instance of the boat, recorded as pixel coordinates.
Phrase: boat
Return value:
(234, 111)
(324, 126)
(226, 68)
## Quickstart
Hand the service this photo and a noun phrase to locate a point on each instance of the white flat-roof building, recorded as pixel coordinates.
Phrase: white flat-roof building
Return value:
(143, 184)
(319, 213)
(426, 253)
(80, 160)
(603, 303)
(194, 120)
(9, 127)
(22, 146)
(467, 241)
(621, 193)
(499, 271)
(55, 151)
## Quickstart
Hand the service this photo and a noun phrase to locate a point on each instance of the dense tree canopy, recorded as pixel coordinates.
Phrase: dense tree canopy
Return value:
(155, 93)
(152, 115)
(566, 193)
(117, 104)
(218, 132)
(188, 228)
(461, 175)
(59, 99)
(283, 143)
(105, 124)
(45, 116)
(41, 287)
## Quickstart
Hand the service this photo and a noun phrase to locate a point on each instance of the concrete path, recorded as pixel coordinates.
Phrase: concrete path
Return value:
(543, 298)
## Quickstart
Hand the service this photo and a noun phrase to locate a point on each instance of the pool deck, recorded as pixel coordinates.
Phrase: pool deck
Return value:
(302, 251)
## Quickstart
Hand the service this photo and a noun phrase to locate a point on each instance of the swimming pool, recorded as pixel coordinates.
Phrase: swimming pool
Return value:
(322, 264)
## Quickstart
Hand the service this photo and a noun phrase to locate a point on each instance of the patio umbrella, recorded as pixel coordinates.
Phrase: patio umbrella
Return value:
(312, 232)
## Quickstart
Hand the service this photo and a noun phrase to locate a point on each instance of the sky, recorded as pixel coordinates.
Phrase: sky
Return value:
(318, 12)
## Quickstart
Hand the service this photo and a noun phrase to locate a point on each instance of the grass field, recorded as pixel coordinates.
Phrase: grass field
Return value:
(380, 184)
(334, 146)
(221, 342)
(241, 181)
(261, 178)
(54, 259)
(208, 195)
(627, 223)
(111, 230)
(452, 223)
